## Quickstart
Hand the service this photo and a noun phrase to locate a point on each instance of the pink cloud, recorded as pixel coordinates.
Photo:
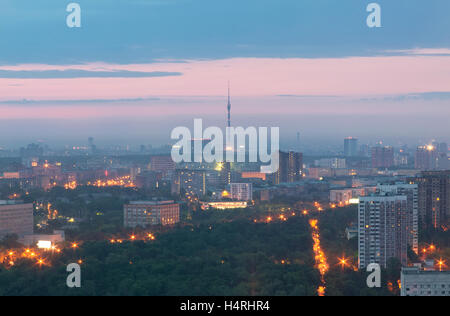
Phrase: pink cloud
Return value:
(249, 76)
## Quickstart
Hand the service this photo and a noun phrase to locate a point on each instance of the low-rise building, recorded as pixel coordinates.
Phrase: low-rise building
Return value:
(416, 282)
(148, 213)
(16, 218)
(224, 205)
(241, 191)
(351, 232)
(44, 241)
(346, 196)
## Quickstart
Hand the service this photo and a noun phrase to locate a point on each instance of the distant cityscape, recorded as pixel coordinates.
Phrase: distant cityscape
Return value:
(400, 193)
(223, 156)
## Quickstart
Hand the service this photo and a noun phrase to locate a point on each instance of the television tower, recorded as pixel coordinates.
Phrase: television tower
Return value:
(227, 165)
(229, 106)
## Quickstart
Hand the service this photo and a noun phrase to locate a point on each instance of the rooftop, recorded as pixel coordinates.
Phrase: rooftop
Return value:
(11, 202)
(417, 271)
(151, 202)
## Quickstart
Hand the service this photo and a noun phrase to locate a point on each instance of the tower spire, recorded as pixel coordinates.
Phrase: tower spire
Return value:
(229, 106)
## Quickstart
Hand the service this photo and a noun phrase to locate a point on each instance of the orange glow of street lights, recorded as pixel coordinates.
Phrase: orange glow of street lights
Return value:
(343, 262)
(321, 291)
(75, 245)
(133, 237)
(441, 264)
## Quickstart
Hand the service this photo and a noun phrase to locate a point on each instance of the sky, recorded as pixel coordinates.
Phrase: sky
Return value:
(136, 69)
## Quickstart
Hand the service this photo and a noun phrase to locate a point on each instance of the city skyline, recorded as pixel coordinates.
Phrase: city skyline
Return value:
(224, 155)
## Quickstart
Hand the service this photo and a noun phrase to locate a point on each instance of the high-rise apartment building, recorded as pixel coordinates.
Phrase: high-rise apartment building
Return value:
(434, 198)
(382, 157)
(411, 191)
(148, 213)
(290, 168)
(426, 158)
(163, 164)
(241, 191)
(16, 218)
(191, 182)
(350, 147)
(382, 222)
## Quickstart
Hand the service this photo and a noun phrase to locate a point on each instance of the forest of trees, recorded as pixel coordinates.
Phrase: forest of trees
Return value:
(236, 258)
(212, 253)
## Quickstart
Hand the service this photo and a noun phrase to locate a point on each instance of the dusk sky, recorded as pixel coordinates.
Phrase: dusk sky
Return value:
(138, 68)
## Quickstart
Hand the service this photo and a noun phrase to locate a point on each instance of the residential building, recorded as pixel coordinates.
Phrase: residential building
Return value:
(416, 282)
(343, 197)
(189, 182)
(16, 218)
(411, 191)
(434, 198)
(148, 213)
(290, 168)
(350, 147)
(382, 157)
(148, 179)
(332, 163)
(241, 191)
(382, 226)
(426, 158)
(163, 164)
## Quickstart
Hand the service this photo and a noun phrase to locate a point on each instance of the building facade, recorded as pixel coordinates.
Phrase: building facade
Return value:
(163, 164)
(290, 168)
(332, 163)
(382, 157)
(16, 218)
(382, 226)
(434, 198)
(350, 147)
(426, 158)
(416, 282)
(241, 191)
(148, 179)
(190, 182)
(411, 191)
(148, 213)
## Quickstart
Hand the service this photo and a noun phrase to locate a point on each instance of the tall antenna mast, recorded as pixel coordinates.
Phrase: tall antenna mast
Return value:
(229, 106)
